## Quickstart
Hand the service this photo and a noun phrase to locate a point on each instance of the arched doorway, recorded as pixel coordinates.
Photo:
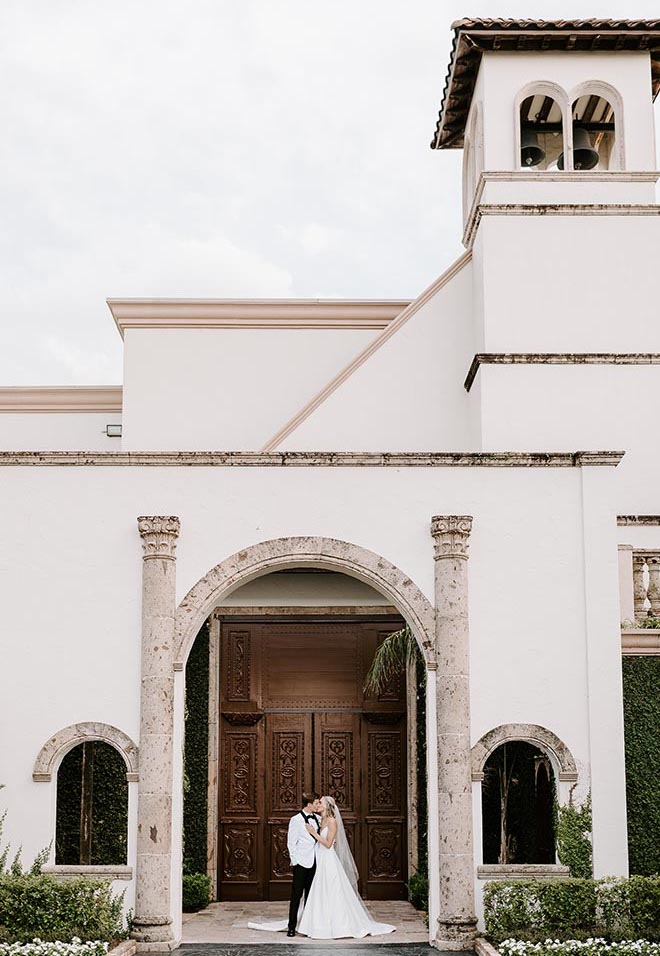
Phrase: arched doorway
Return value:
(362, 728)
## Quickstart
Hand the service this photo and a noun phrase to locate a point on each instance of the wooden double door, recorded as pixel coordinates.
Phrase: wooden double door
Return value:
(294, 717)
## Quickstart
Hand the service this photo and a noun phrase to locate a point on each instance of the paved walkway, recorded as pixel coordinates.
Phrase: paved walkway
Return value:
(226, 923)
(337, 948)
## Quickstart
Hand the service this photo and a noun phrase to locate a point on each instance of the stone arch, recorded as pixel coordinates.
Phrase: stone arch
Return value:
(68, 738)
(532, 734)
(328, 553)
(541, 88)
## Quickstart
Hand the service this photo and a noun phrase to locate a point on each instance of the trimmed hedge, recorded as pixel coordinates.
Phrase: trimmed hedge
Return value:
(641, 706)
(41, 906)
(573, 909)
(196, 892)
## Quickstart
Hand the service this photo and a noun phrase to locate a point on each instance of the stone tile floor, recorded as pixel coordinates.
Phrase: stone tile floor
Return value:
(330, 949)
(226, 923)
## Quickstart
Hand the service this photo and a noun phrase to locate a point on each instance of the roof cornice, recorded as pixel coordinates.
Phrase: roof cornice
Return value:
(473, 38)
(254, 313)
(45, 399)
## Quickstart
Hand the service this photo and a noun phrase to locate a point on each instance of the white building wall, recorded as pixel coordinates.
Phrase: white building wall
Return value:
(409, 394)
(224, 389)
(71, 582)
(58, 431)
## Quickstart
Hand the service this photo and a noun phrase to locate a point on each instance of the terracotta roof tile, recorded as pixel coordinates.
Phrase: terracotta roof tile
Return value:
(474, 37)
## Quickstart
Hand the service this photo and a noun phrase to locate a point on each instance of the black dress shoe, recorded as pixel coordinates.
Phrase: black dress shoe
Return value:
(291, 932)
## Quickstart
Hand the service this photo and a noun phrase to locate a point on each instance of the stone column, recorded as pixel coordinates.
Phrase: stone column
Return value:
(153, 921)
(456, 921)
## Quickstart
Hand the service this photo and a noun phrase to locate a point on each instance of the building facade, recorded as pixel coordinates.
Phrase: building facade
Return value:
(477, 463)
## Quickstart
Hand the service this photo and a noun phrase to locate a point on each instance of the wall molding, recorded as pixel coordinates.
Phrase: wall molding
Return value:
(554, 209)
(254, 313)
(49, 399)
(522, 871)
(545, 176)
(306, 459)
(640, 642)
(558, 358)
(638, 520)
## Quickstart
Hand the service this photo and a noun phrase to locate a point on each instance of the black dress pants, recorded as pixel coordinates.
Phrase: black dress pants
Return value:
(302, 882)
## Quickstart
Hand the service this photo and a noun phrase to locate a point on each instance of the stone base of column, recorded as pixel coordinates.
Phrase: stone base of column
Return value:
(456, 934)
(153, 935)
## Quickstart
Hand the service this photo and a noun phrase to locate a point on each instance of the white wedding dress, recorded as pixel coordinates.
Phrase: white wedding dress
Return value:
(333, 910)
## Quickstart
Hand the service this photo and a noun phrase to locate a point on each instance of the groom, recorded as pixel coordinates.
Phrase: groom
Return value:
(302, 852)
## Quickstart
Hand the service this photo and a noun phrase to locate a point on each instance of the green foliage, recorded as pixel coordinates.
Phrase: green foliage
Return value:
(109, 806)
(573, 947)
(196, 892)
(573, 909)
(398, 649)
(196, 759)
(652, 623)
(418, 887)
(641, 707)
(573, 833)
(58, 910)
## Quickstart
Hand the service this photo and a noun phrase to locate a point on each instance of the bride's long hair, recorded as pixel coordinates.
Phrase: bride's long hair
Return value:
(342, 849)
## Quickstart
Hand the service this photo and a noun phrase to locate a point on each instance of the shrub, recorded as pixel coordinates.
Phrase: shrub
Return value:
(196, 892)
(418, 886)
(641, 707)
(574, 908)
(51, 909)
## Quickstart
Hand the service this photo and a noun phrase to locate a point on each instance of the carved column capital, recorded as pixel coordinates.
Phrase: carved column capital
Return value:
(451, 534)
(159, 535)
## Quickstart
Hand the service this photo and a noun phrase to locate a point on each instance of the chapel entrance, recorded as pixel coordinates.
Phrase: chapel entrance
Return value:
(293, 715)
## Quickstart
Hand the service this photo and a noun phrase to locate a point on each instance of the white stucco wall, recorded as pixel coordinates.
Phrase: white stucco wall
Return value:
(409, 394)
(70, 572)
(558, 407)
(224, 388)
(68, 431)
(544, 288)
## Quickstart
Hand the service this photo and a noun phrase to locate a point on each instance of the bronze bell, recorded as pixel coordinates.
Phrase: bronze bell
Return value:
(531, 154)
(584, 155)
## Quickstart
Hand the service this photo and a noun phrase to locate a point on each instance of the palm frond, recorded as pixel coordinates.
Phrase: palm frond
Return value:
(391, 658)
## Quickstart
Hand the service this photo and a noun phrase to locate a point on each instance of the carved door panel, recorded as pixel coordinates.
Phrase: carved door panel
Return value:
(287, 772)
(337, 755)
(384, 806)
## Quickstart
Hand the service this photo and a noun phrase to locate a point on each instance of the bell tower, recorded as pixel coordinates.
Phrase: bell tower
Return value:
(556, 122)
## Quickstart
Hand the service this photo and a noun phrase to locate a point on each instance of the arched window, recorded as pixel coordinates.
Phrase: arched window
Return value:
(518, 793)
(541, 132)
(472, 158)
(594, 133)
(92, 806)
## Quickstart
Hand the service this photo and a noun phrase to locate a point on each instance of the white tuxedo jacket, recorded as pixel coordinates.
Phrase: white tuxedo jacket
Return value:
(300, 843)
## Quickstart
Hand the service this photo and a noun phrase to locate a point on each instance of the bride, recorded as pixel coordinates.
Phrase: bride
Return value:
(334, 909)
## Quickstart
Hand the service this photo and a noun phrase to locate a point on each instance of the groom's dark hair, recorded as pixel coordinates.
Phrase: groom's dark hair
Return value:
(309, 797)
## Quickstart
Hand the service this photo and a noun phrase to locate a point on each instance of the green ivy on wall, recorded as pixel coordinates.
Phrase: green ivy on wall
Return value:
(109, 806)
(196, 759)
(573, 830)
(641, 707)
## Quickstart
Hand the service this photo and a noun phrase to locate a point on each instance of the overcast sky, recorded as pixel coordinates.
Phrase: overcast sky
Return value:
(220, 148)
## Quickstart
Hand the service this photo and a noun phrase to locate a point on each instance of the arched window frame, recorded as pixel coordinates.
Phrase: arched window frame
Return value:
(46, 768)
(612, 95)
(542, 88)
(563, 766)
